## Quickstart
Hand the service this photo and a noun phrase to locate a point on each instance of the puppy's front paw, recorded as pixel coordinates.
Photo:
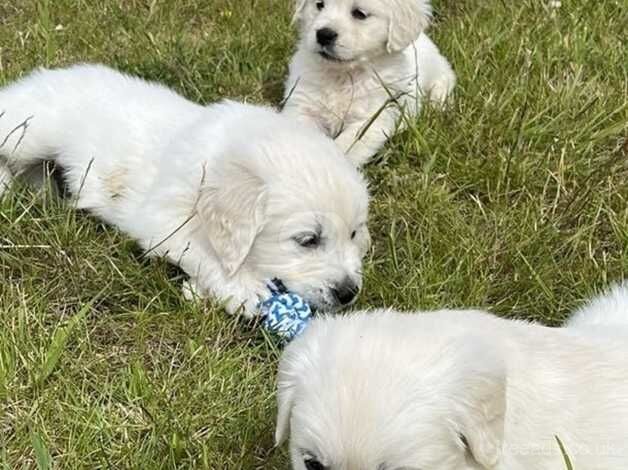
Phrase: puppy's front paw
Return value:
(358, 153)
(441, 89)
(191, 291)
(248, 308)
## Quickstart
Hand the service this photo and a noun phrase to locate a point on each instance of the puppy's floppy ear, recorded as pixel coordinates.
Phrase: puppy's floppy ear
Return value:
(481, 407)
(408, 19)
(298, 10)
(285, 401)
(291, 369)
(232, 207)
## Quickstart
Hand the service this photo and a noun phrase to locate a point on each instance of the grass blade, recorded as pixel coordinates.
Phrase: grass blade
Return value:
(568, 463)
(59, 342)
(42, 455)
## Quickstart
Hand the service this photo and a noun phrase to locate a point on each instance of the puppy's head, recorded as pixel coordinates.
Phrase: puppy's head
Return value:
(353, 31)
(286, 203)
(387, 391)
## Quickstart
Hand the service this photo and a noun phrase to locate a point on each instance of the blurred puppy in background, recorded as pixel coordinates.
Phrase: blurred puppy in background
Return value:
(458, 390)
(361, 64)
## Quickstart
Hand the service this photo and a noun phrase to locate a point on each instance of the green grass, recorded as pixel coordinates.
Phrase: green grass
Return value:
(515, 199)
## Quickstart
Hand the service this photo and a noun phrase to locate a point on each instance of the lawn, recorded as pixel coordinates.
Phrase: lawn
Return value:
(513, 199)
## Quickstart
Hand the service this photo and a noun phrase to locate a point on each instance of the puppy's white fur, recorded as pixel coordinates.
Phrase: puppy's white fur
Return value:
(382, 63)
(225, 191)
(458, 390)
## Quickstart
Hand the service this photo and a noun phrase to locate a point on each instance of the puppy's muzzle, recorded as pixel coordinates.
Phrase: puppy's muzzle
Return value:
(326, 37)
(345, 292)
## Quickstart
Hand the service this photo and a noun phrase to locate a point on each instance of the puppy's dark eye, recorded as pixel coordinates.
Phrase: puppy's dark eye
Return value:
(353, 234)
(320, 5)
(313, 464)
(312, 240)
(359, 14)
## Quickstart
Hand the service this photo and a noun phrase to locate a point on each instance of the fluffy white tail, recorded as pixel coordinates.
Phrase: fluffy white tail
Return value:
(19, 103)
(82, 115)
(11, 136)
(608, 309)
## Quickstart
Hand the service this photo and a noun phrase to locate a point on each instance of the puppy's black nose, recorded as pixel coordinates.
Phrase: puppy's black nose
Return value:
(345, 292)
(326, 36)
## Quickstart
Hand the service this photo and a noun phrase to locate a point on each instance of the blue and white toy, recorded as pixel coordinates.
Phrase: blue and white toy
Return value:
(285, 314)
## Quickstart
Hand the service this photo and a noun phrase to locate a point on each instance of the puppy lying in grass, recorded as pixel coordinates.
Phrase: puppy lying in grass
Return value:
(361, 65)
(234, 194)
(458, 390)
